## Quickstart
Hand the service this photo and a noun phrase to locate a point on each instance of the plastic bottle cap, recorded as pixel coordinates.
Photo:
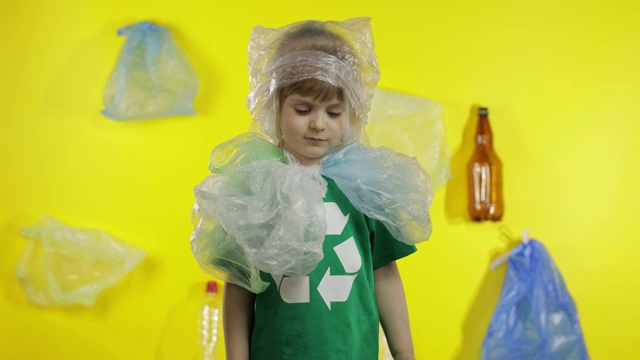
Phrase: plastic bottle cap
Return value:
(212, 287)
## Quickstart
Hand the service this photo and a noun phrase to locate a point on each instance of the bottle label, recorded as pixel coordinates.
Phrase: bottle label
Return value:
(482, 185)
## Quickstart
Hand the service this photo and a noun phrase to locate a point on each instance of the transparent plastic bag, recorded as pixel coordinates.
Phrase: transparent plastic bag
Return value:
(153, 77)
(257, 213)
(253, 204)
(536, 317)
(340, 53)
(386, 186)
(241, 150)
(62, 265)
(262, 210)
(220, 255)
(414, 126)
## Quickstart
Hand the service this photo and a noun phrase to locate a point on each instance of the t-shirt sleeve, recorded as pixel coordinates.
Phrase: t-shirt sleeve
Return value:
(386, 248)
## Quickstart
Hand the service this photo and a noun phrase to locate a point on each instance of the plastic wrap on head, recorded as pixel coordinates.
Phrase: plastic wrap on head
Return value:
(339, 53)
(414, 126)
(258, 213)
(386, 186)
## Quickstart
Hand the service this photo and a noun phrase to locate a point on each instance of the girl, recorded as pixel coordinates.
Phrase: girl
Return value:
(302, 221)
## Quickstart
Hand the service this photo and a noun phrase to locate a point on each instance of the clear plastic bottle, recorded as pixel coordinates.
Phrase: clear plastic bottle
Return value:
(210, 324)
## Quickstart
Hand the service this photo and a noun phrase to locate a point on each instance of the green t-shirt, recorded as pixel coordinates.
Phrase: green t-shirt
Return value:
(331, 313)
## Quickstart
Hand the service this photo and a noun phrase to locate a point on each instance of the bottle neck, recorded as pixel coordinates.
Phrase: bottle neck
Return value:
(484, 136)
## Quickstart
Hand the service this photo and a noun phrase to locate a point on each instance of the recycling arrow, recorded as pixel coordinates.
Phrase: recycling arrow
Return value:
(335, 288)
(293, 289)
(349, 256)
(332, 288)
(335, 220)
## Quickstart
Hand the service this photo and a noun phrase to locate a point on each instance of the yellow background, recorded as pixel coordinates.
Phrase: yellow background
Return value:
(561, 80)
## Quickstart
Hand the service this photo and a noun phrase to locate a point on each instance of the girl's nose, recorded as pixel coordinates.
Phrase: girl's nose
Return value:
(318, 122)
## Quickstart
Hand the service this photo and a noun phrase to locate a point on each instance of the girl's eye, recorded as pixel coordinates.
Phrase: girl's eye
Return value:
(334, 114)
(301, 111)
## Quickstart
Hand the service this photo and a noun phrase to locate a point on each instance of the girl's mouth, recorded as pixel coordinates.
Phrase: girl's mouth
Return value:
(315, 140)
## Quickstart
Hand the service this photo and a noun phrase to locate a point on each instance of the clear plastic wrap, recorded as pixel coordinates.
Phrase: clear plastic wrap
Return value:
(340, 53)
(220, 255)
(274, 211)
(153, 77)
(241, 150)
(536, 317)
(258, 213)
(413, 126)
(254, 204)
(63, 265)
(386, 186)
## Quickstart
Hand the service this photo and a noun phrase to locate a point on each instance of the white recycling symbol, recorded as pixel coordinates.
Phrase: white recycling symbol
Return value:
(332, 288)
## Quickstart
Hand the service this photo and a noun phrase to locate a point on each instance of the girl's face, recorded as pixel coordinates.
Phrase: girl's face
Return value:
(311, 128)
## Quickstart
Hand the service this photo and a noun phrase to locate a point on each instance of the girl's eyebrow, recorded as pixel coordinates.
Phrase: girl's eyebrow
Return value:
(299, 100)
(302, 102)
(336, 105)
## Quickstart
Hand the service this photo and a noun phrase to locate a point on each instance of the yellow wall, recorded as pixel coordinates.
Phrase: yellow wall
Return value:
(561, 79)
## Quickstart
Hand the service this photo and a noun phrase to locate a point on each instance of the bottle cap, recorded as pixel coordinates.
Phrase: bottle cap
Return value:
(212, 287)
(483, 111)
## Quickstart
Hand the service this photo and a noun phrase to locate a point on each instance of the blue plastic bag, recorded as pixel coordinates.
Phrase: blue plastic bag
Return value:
(536, 317)
(153, 77)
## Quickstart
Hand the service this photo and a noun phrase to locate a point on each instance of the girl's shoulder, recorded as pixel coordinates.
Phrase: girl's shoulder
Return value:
(241, 150)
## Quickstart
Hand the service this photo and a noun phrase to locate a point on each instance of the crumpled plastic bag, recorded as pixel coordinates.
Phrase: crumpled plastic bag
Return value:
(387, 186)
(536, 318)
(413, 126)
(241, 150)
(261, 210)
(63, 265)
(243, 214)
(153, 77)
(255, 202)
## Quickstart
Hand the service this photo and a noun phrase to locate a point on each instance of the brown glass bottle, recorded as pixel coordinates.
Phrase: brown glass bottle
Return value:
(485, 174)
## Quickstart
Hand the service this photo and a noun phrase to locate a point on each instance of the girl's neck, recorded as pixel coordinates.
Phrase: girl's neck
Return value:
(291, 159)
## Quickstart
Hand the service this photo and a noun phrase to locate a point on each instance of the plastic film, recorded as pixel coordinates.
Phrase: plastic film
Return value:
(339, 53)
(64, 265)
(258, 214)
(386, 186)
(535, 317)
(153, 77)
(414, 126)
(262, 210)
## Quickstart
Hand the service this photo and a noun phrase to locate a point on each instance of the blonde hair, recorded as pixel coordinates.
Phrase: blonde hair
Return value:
(312, 87)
